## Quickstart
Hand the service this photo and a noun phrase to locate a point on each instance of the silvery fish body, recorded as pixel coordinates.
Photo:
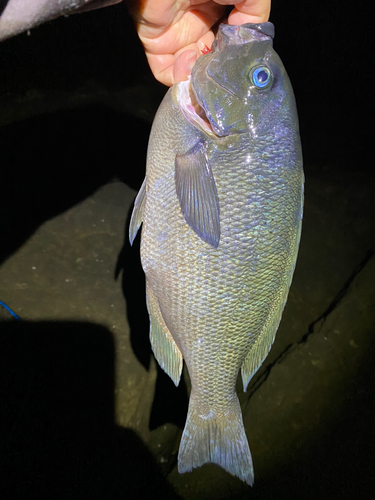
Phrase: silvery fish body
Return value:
(221, 207)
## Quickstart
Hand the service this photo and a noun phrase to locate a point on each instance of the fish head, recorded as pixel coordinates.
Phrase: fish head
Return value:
(241, 86)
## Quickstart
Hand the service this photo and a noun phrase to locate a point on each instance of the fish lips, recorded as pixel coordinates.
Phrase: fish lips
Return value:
(211, 106)
(229, 34)
(192, 110)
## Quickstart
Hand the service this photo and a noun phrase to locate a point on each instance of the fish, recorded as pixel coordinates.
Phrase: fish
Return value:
(221, 213)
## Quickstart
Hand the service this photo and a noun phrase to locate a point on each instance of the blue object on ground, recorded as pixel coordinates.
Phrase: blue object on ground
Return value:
(10, 310)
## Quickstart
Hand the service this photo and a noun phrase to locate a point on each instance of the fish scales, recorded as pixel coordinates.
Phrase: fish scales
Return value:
(216, 303)
(217, 280)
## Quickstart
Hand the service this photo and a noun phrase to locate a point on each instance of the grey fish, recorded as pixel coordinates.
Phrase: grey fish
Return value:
(221, 207)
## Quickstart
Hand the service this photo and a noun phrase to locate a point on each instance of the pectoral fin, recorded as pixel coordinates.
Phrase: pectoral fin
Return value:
(197, 194)
(165, 349)
(137, 215)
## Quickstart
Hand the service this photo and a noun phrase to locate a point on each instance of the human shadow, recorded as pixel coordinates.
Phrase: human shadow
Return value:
(57, 430)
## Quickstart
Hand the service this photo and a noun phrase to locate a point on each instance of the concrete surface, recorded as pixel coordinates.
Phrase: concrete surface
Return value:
(307, 412)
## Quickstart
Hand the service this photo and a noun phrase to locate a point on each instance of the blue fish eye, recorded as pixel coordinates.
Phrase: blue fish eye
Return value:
(261, 76)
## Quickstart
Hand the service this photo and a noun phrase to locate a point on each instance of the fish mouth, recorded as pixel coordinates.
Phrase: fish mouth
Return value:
(193, 111)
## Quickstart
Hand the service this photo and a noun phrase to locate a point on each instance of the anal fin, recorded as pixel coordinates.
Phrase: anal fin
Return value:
(255, 358)
(165, 349)
(262, 346)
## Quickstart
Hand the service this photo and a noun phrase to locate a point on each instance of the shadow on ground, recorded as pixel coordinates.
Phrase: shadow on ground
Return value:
(57, 430)
(133, 286)
(52, 162)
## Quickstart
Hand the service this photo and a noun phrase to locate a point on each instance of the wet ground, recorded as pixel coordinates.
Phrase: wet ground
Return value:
(85, 411)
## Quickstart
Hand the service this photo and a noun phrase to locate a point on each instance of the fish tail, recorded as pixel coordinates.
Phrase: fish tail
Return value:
(217, 437)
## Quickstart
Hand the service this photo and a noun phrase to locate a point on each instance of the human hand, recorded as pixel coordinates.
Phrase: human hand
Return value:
(175, 33)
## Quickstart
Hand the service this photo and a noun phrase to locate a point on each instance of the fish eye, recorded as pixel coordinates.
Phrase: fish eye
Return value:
(260, 76)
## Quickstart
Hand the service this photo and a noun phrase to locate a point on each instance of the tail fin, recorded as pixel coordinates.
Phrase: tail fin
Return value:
(218, 438)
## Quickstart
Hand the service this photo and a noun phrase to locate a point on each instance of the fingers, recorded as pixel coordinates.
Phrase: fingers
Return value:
(250, 11)
(169, 69)
(183, 65)
(176, 32)
(179, 45)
